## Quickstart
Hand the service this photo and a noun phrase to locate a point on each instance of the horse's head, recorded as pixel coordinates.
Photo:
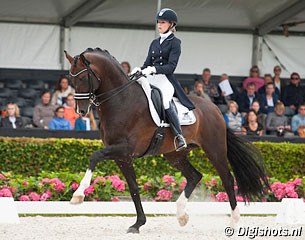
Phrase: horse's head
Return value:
(85, 81)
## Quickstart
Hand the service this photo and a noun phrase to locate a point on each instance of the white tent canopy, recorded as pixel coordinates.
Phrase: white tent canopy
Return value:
(225, 35)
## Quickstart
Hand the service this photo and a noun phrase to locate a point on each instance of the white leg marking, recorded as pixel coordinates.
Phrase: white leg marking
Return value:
(182, 216)
(235, 216)
(79, 195)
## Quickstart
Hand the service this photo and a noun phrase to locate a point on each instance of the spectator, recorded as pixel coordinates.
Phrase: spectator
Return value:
(43, 112)
(59, 122)
(278, 82)
(126, 67)
(277, 123)
(268, 99)
(268, 79)
(234, 120)
(209, 88)
(86, 123)
(70, 113)
(61, 92)
(293, 94)
(246, 98)
(224, 98)
(260, 116)
(298, 121)
(254, 78)
(199, 90)
(251, 126)
(12, 117)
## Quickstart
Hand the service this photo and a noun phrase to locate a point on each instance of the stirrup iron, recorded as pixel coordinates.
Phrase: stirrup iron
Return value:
(179, 148)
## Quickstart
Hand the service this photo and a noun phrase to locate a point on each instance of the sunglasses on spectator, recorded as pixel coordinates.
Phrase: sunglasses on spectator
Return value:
(294, 78)
(277, 69)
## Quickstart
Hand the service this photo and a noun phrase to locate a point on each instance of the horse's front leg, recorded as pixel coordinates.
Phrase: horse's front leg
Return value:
(111, 152)
(129, 173)
(79, 195)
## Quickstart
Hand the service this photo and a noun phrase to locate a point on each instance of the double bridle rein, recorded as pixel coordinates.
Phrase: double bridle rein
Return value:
(103, 96)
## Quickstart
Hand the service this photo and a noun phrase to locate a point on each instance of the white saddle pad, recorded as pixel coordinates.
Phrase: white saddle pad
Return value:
(185, 116)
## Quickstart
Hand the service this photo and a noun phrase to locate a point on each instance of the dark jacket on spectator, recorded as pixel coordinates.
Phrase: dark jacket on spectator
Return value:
(244, 101)
(264, 103)
(262, 91)
(293, 95)
(6, 123)
(224, 99)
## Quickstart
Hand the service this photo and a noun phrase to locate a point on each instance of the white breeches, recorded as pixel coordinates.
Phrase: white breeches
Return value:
(165, 86)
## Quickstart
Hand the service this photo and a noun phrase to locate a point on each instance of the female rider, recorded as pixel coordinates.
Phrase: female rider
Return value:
(159, 67)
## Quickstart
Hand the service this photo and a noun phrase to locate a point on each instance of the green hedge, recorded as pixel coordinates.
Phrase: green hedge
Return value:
(30, 156)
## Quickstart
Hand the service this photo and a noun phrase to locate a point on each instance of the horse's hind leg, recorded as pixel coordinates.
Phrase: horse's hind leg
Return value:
(179, 160)
(217, 154)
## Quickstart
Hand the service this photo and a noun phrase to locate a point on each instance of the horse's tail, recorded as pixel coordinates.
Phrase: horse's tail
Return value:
(247, 164)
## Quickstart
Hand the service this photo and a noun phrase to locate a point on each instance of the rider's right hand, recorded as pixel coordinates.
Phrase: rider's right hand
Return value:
(135, 70)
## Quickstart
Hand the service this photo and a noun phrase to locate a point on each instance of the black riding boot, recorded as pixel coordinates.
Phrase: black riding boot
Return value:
(172, 117)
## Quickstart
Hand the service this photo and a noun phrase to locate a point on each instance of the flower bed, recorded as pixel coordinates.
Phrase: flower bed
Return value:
(60, 187)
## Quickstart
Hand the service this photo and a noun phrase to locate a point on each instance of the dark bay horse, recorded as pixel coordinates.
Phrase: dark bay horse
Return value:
(127, 129)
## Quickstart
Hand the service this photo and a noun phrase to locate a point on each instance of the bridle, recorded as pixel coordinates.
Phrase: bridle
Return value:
(90, 95)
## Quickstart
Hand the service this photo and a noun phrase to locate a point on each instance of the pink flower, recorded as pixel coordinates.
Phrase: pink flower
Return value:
(164, 195)
(182, 185)
(99, 180)
(34, 196)
(24, 198)
(46, 195)
(5, 192)
(58, 185)
(115, 199)
(116, 182)
(89, 190)
(239, 198)
(167, 179)
(213, 182)
(298, 181)
(45, 180)
(25, 183)
(2, 177)
(222, 197)
(74, 186)
(113, 178)
(147, 186)
(119, 185)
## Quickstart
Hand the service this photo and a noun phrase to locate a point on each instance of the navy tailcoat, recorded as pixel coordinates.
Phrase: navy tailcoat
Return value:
(164, 57)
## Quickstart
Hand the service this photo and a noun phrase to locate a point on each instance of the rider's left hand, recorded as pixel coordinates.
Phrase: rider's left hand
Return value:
(149, 70)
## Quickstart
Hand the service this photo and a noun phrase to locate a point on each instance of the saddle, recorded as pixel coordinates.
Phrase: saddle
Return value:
(157, 111)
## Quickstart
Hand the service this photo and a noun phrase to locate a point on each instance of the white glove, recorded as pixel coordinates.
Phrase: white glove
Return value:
(135, 70)
(149, 70)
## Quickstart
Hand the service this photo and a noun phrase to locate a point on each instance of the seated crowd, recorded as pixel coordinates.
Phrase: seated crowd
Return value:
(55, 111)
(262, 106)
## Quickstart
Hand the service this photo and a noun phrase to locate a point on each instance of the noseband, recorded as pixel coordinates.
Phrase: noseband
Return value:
(91, 95)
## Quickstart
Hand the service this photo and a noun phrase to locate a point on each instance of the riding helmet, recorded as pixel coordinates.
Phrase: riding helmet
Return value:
(167, 14)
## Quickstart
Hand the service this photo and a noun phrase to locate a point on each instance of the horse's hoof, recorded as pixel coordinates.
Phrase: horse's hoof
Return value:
(77, 200)
(235, 216)
(133, 230)
(183, 219)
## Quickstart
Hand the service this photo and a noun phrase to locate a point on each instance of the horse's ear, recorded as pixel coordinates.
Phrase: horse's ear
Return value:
(84, 60)
(68, 56)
